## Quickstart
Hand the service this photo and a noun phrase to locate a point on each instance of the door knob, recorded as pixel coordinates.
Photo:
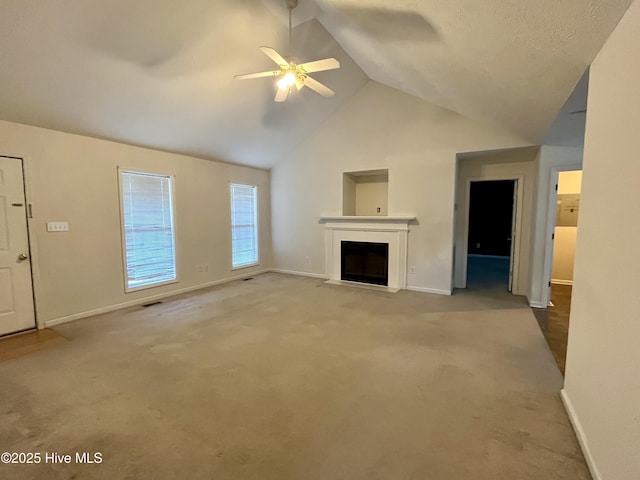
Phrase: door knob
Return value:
(22, 257)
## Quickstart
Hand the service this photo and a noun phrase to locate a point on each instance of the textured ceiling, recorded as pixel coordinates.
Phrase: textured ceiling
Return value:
(160, 73)
(568, 128)
(512, 63)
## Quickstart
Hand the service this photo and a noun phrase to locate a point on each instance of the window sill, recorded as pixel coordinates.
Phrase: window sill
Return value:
(153, 285)
(245, 266)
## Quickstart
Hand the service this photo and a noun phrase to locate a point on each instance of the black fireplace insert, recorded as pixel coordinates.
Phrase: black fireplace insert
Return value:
(365, 262)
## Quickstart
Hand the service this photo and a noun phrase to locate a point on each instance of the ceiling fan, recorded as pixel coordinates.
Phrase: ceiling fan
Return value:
(292, 74)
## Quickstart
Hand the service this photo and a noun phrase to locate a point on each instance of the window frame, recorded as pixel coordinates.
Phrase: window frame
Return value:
(256, 227)
(123, 238)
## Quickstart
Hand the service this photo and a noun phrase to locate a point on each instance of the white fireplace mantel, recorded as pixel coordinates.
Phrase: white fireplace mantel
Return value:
(393, 230)
(383, 221)
(374, 218)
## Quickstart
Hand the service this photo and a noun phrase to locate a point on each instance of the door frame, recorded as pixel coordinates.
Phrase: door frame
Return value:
(33, 251)
(550, 229)
(515, 260)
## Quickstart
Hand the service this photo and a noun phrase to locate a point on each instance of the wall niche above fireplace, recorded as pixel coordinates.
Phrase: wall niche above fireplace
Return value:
(365, 193)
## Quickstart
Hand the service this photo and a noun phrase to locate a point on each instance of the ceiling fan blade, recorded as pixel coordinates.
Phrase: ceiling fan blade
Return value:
(281, 95)
(320, 65)
(257, 75)
(275, 56)
(318, 87)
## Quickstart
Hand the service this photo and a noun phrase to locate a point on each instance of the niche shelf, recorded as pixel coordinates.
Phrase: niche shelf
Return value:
(365, 193)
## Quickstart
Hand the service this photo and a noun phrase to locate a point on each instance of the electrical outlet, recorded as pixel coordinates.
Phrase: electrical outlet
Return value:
(57, 226)
(412, 269)
(206, 267)
(307, 260)
(477, 245)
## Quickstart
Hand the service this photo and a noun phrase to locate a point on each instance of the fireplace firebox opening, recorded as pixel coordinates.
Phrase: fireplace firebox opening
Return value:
(365, 262)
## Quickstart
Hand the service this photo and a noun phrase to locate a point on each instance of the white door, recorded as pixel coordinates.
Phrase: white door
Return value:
(16, 294)
(513, 233)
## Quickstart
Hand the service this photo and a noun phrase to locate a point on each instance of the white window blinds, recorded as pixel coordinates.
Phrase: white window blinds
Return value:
(244, 225)
(147, 212)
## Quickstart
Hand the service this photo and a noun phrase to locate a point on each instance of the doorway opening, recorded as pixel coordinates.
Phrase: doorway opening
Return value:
(566, 187)
(491, 230)
(517, 165)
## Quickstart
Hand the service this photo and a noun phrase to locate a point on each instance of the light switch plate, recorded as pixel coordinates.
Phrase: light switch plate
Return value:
(57, 226)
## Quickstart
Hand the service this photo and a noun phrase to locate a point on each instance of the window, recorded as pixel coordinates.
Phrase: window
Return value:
(147, 220)
(244, 226)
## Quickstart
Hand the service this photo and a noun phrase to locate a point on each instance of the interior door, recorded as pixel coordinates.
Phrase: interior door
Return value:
(513, 233)
(16, 290)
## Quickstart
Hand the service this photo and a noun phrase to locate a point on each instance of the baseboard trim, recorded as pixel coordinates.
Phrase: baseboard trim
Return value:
(562, 282)
(582, 439)
(437, 291)
(112, 308)
(301, 274)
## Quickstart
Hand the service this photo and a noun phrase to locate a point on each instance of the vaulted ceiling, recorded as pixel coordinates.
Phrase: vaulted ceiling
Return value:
(159, 73)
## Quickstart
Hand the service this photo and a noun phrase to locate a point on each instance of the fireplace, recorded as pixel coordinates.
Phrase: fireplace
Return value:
(390, 231)
(365, 262)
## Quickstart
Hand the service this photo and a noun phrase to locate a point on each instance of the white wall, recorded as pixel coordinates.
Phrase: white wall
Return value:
(549, 160)
(74, 178)
(494, 166)
(564, 245)
(379, 128)
(569, 182)
(348, 195)
(602, 384)
(564, 248)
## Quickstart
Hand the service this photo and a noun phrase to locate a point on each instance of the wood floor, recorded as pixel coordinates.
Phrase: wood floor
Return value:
(28, 342)
(554, 322)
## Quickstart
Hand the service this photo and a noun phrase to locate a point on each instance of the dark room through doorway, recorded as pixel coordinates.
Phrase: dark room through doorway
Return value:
(492, 209)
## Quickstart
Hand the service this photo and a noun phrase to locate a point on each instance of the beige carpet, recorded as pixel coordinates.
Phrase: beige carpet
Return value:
(283, 377)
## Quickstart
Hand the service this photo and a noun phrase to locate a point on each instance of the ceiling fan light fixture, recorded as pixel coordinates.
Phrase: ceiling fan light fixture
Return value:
(287, 81)
(290, 73)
